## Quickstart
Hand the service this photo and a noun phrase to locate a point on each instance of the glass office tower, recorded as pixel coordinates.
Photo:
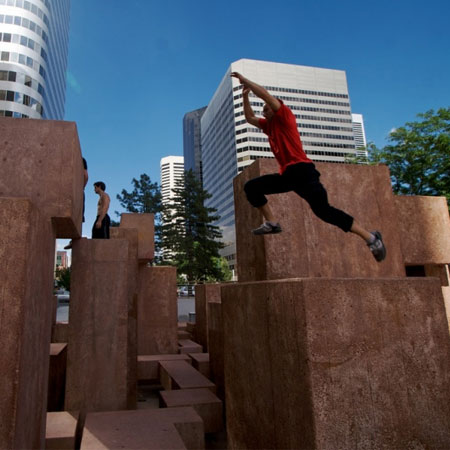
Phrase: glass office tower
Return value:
(192, 149)
(33, 57)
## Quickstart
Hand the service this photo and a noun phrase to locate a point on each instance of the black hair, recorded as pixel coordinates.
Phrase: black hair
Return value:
(101, 185)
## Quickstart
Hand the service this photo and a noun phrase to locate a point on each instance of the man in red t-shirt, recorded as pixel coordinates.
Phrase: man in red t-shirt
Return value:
(297, 172)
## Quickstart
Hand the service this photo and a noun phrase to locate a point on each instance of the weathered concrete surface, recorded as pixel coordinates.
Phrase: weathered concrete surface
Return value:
(60, 432)
(424, 226)
(131, 236)
(148, 365)
(337, 363)
(309, 247)
(215, 345)
(174, 428)
(57, 377)
(97, 360)
(157, 310)
(145, 225)
(204, 293)
(60, 332)
(41, 160)
(27, 251)
(446, 294)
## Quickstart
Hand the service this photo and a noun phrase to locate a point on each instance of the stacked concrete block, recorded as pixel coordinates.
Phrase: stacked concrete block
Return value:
(323, 346)
(41, 178)
(145, 226)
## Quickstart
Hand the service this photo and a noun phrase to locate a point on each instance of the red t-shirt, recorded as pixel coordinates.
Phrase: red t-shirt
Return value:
(284, 138)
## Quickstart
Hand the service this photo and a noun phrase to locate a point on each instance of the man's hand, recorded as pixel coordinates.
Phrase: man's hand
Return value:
(240, 77)
(245, 90)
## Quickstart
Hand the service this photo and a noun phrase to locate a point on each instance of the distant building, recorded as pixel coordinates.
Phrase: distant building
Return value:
(319, 99)
(359, 134)
(34, 37)
(62, 260)
(172, 170)
(192, 149)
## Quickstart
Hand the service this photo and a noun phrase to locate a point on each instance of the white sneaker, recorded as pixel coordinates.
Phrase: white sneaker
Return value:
(267, 228)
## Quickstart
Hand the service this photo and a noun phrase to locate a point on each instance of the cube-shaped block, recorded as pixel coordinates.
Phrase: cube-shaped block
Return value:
(200, 362)
(145, 225)
(148, 365)
(337, 363)
(41, 160)
(309, 247)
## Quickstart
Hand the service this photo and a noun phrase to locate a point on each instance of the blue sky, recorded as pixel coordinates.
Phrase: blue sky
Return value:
(136, 67)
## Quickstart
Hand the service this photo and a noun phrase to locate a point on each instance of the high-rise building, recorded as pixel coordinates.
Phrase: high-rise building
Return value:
(62, 260)
(172, 170)
(359, 134)
(192, 149)
(33, 57)
(320, 101)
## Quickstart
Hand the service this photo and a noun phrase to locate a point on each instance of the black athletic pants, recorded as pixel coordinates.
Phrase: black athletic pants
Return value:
(303, 179)
(103, 231)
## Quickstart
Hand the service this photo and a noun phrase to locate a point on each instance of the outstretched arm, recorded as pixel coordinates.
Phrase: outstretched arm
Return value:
(259, 91)
(248, 110)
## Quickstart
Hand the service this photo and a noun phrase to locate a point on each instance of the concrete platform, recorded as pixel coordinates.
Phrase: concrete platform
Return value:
(207, 405)
(181, 375)
(148, 365)
(200, 362)
(187, 346)
(60, 431)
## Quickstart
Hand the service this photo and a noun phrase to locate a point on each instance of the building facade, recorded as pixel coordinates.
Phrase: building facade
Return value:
(33, 57)
(359, 134)
(172, 171)
(319, 99)
(192, 148)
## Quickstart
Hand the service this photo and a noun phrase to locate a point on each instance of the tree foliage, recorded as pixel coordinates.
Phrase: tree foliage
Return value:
(418, 155)
(62, 277)
(189, 239)
(144, 198)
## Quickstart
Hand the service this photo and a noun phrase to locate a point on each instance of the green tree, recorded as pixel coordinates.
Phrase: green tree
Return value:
(144, 198)
(62, 277)
(189, 239)
(418, 155)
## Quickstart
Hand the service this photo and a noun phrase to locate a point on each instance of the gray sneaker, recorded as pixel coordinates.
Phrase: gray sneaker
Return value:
(267, 228)
(377, 247)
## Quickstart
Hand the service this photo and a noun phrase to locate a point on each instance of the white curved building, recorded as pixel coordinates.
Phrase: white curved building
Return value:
(33, 58)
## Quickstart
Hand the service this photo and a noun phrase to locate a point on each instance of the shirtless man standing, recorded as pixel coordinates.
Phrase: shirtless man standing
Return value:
(100, 230)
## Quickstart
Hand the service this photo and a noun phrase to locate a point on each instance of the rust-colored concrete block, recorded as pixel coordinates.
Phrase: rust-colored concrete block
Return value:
(174, 428)
(157, 310)
(57, 377)
(200, 362)
(309, 247)
(27, 251)
(187, 346)
(439, 271)
(337, 363)
(98, 371)
(424, 226)
(215, 345)
(60, 332)
(148, 365)
(204, 293)
(60, 432)
(207, 405)
(145, 225)
(181, 375)
(131, 236)
(446, 294)
(47, 156)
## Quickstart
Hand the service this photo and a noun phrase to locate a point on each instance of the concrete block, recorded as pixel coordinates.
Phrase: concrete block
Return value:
(215, 345)
(148, 365)
(157, 310)
(177, 428)
(424, 227)
(60, 431)
(438, 271)
(27, 252)
(184, 335)
(309, 247)
(57, 377)
(41, 160)
(98, 371)
(188, 346)
(204, 293)
(145, 225)
(200, 362)
(207, 405)
(446, 294)
(60, 332)
(181, 375)
(343, 364)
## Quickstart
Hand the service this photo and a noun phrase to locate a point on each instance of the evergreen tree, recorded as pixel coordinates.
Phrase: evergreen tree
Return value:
(189, 239)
